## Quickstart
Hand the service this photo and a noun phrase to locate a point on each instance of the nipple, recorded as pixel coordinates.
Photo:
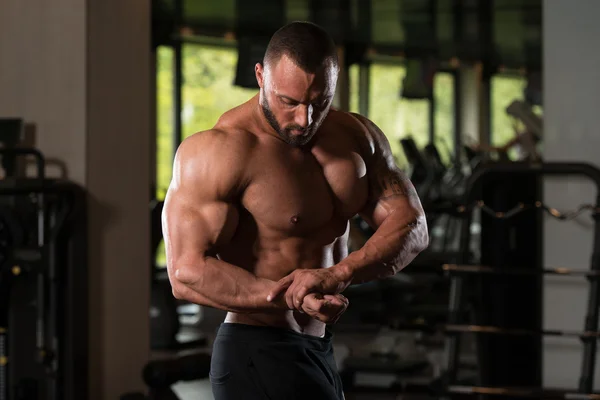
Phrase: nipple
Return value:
(294, 219)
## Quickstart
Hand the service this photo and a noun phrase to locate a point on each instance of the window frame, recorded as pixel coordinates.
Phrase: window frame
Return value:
(225, 41)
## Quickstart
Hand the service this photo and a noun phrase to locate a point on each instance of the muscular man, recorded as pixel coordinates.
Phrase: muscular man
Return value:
(257, 216)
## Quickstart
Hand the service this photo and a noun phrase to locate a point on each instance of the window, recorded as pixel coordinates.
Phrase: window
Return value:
(443, 91)
(354, 83)
(165, 130)
(397, 117)
(164, 119)
(208, 90)
(504, 89)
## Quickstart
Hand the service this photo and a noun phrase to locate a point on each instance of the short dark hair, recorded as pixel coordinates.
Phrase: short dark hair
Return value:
(308, 45)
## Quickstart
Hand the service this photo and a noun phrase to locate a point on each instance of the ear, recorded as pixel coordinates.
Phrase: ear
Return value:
(260, 74)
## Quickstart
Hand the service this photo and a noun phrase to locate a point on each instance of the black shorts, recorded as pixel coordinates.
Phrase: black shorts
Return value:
(264, 363)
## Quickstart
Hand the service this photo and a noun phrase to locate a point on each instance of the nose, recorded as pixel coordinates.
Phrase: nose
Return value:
(304, 116)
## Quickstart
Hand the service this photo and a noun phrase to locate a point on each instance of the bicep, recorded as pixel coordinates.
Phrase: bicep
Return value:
(390, 189)
(192, 230)
(198, 215)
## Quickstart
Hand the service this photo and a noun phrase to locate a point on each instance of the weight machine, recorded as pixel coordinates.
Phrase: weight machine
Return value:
(43, 281)
(499, 372)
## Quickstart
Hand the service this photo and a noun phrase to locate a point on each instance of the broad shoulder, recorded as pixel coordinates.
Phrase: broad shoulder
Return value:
(215, 158)
(357, 130)
(216, 145)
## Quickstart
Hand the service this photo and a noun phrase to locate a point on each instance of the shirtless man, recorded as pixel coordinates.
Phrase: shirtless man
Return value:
(257, 216)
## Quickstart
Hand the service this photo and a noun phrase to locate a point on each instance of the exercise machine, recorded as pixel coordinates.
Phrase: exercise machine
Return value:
(421, 174)
(43, 282)
(161, 375)
(508, 322)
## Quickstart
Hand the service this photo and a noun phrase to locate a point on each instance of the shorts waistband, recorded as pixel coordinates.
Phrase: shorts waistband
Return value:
(256, 333)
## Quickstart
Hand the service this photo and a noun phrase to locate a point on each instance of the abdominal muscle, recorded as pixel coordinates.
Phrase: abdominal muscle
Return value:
(274, 263)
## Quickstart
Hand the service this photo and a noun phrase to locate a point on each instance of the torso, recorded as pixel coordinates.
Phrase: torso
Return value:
(294, 213)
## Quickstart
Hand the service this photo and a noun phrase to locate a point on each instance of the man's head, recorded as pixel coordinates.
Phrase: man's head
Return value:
(297, 80)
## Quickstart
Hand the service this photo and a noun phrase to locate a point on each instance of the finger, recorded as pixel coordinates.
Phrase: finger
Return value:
(325, 306)
(344, 299)
(289, 295)
(335, 312)
(299, 296)
(336, 300)
(281, 286)
(337, 306)
(332, 303)
(310, 305)
(311, 302)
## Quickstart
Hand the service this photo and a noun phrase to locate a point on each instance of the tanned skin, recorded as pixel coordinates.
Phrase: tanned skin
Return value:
(256, 218)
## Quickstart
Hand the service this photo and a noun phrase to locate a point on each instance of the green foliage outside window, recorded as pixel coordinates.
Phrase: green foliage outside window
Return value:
(208, 91)
(504, 90)
(398, 117)
(164, 120)
(353, 79)
(443, 92)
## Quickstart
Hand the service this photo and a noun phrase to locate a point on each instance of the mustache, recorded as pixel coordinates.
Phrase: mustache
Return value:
(297, 128)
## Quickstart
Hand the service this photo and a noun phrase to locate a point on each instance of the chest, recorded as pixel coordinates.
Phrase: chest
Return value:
(301, 192)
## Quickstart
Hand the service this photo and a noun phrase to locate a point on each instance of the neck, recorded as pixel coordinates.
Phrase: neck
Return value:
(261, 119)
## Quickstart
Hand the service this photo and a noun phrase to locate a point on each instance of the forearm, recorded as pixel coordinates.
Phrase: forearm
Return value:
(218, 284)
(392, 247)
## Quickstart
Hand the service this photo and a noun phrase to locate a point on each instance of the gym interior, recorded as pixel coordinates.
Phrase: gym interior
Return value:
(489, 106)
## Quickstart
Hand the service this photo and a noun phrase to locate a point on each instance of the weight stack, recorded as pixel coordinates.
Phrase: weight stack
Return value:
(44, 302)
(510, 301)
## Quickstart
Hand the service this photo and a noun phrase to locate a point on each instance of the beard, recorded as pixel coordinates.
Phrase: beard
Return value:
(286, 133)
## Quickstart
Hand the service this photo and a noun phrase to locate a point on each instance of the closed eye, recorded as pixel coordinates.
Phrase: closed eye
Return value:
(287, 102)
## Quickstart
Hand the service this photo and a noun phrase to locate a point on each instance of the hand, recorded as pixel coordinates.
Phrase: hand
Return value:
(325, 308)
(302, 282)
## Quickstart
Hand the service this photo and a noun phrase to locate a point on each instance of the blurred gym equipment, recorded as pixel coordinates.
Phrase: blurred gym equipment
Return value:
(494, 300)
(420, 172)
(161, 375)
(167, 314)
(43, 281)
(524, 112)
(11, 134)
(507, 309)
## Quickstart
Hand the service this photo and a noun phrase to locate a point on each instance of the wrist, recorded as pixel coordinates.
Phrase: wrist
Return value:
(261, 303)
(344, 273)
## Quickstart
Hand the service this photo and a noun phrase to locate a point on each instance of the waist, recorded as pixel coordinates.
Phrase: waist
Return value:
(291, 321)
(272, 334)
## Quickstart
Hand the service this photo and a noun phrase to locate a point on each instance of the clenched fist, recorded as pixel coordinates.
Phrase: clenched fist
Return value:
(325, 308)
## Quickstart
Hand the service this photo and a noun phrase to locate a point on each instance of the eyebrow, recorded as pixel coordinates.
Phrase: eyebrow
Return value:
(283, 96)
(320, 98)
